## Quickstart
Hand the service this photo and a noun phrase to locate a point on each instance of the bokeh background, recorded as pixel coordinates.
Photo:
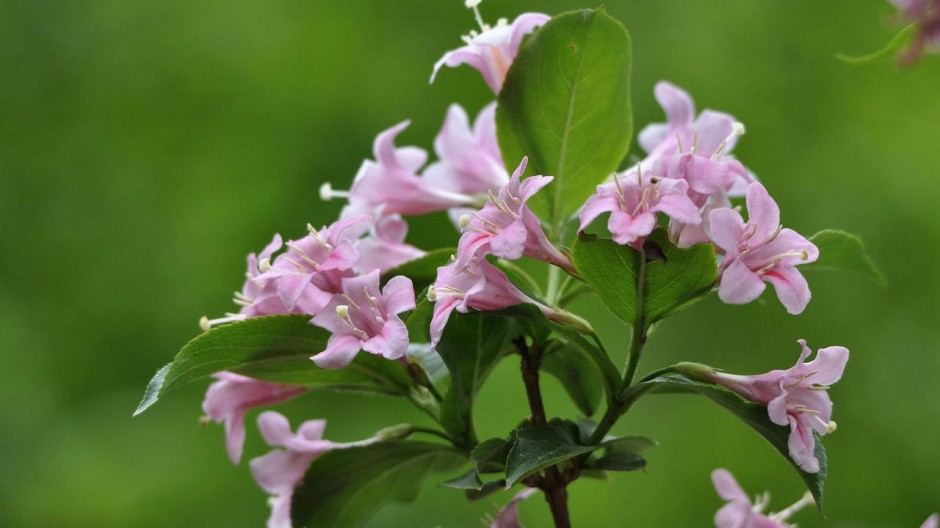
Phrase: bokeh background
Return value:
(146, 147)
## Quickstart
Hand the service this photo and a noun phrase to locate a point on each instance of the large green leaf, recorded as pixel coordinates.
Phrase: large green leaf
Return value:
(839, 250)
(753, 414)
(345, 487)
(422, 271)
(675, 278)
(577, 373)
(566, 105)
(470, 346)
(274, 348)
(537, 448)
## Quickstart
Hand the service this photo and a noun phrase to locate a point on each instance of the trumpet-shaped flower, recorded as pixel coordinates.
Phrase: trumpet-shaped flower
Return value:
(492, 50)
(281, 470)
(233, 395)
(796, 397)
(385, 248)
(469, 158)
(362, 317)
(506, 228)
(758, 251)
(508, 517)
(633, 201)
(739, 512)
(473, 284)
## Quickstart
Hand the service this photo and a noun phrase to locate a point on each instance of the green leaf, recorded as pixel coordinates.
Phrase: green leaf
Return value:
(618, 461)
(422, 271)
(488, 489)
(900, 40)
(578, 375)
(344, 487)
(468, 481)
(675, 280)
(537, 448)
(419, 320)
(753, 414)
(629, 444)
(839, 250)
(274, 348)
(490, 456)
(566, 105)
(470, 346)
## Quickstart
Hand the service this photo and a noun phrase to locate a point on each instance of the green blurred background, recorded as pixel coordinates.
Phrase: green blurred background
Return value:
(146, 147)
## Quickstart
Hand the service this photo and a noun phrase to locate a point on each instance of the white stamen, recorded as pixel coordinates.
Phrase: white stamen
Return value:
(342, 311)
(831, 427)
(432, 294)
(787, 512)
(264, 265)
(472, 3)
(327, 192)
(206, 324)
(464, 221)
(738, 128)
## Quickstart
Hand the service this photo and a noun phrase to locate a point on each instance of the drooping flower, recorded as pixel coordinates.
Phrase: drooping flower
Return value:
(229, 398)
(796, 397)
(739, 512)
(281, 470)
(362, 317)
(931, 522)
(332, 248)
(758, 251)
(926, 15)
(508, 517)
(469, 158)
(492, 50)
(385, 248)
(475, 284)
(506, 228)
(634, 199)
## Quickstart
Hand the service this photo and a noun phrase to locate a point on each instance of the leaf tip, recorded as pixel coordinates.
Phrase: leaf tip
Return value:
(152, 393)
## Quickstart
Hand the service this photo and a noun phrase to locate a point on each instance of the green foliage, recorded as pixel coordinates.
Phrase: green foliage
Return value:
(752, 414)
(675, 278)
(274, 348)
(536, 448)
(617, 461)
(344, 487)
(566, 105)
(575, 369)
(422, 271)
(471, 346)
(839, 250)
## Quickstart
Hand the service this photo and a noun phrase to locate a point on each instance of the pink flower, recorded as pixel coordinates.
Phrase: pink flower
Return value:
(363, 318)
(281, 470)
(385, 248)
(228, 399)
(759, 251)
(470, 160)
(391, 184)
(931, 522)
(926, 14)
(332, 248)
(711, 134)
(492, 50)
(739, 512)
(508, 517)
(506, 228)
(633, 201)
(796, 397)
(475, 284)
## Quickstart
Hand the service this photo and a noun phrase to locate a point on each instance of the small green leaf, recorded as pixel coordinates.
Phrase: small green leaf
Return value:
(900, 40)
(471, 346)
(490, 456)
(419, 320)
(537, 448)
(839, 250)
(344, 487)
(675, 281)
(488, 489)
(422, 271)
(618, 461)
(753, 414)
(274, 348)
(629, 444)
(468, 481)
(578, 375)
(566, 105)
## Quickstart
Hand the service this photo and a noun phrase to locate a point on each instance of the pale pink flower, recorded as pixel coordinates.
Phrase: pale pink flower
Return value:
(931, 522)
(281, 470)
(391, 182)
(475, 284)
(508, 517)
(758, 251)
(332, 248)
(493, 49)
(385, 248)
(506, 228)
(228, 399)
(926, 14)
(633, 201)
(796, 397)
(470, 160)
(362, 317)
(739, 512)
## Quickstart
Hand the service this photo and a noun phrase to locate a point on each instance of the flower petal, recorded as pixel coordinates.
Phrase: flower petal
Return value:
(739, 285)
